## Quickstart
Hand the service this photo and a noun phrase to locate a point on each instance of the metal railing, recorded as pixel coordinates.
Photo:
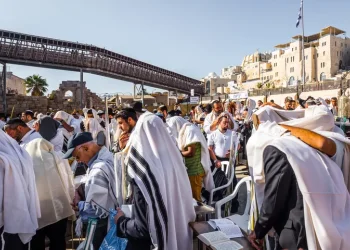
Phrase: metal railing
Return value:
(17, 48)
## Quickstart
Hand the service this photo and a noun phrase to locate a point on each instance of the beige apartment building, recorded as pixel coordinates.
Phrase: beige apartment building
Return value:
(14, 84)
(326, 53)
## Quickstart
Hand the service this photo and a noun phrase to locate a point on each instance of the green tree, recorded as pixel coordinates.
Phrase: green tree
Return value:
(36, 85)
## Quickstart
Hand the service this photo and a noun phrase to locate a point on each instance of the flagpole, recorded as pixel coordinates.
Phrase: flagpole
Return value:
(302, 42)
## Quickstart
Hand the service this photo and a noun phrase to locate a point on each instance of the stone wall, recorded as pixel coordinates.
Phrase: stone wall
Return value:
(56, 100)
(22, 103)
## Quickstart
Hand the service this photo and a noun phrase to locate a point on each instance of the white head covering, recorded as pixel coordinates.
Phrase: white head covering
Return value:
(326, 207)
(175, 124)
(156, 165)
(251, 104)
(64, 116)
(19, 201)
(93, 125)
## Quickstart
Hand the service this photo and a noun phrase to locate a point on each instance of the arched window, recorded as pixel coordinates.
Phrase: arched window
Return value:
(291, 80)
(322, 76)
(68, 95)
(207, 87)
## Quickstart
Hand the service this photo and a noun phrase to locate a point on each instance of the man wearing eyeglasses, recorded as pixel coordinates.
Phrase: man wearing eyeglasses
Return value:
(99, 188)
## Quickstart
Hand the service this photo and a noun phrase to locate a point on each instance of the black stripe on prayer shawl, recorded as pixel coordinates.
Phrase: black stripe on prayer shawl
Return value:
(157, 223)
(159, 197)
(65, 142)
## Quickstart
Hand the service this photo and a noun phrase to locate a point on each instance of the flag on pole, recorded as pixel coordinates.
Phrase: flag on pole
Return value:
(299, 15)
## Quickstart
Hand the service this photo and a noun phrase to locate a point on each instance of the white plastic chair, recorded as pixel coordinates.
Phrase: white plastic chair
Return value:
(228, 170)
(241, 220)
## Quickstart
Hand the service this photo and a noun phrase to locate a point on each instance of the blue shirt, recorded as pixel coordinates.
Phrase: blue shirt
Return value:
(89, 211)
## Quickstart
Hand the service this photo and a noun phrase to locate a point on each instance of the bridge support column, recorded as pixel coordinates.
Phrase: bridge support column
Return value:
(4, 103)
(81, 89)
(142, 95)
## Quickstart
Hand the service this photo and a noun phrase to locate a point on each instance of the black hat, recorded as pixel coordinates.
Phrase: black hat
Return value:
(76, 140)
(89, 112)
(137, 106)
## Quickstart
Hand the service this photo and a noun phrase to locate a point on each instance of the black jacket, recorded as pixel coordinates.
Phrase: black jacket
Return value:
(282, 208)
(136, 229)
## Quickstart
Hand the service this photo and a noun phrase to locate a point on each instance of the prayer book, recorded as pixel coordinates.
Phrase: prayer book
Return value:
(219, 241)
(127, 210)
(228, 227)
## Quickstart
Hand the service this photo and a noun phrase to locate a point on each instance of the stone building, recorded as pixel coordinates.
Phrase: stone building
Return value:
(66, 98)
(326, 53)
(14, 84)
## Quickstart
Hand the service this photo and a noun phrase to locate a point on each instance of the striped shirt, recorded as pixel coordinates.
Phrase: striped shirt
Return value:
(193, 164)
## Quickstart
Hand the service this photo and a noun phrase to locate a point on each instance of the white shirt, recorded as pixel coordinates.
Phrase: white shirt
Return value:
(28, 137)
(221, 141)
(2, 124)
(75, 123)
(58, 141)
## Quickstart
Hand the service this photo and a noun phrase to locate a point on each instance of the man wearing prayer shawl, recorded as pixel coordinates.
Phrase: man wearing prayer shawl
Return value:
(161, 192)
(19, 203)
(300, 207)
(48, 129)
(193, 147)
(91, 124)
(100, 183)
(211, 120)
(54, 182)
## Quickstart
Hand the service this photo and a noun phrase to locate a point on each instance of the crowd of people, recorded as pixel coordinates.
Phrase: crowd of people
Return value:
(58, 166)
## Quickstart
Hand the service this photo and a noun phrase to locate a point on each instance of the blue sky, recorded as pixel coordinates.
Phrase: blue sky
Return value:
(191, 37)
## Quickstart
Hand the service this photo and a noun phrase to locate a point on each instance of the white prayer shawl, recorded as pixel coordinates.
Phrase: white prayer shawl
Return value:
(190, 134)
(100, 183)
(67, 118)
(175, 124)
(54, 182)
(58, 141)
(156, 165)
(19, 200)
(251, 104)
(317, 118)
(93, 125)
(326, 198)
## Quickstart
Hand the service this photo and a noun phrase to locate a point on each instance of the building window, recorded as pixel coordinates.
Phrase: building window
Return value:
(317, 55)
(324, 53)
(306, 57)
(341, 45)
(276, 74)
(337, 53)
(335, 43)
(296, 48)
(292, 49)
(287, 60)
(324, 44)
(323, 64)
(292, 70)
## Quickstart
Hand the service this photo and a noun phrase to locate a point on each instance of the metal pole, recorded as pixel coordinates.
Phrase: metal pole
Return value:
(142, 95)
(302, 41)
(134, 90)
(81, 88)
(4, 103)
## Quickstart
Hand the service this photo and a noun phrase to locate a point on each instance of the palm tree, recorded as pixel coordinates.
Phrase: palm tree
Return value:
(36, 85)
